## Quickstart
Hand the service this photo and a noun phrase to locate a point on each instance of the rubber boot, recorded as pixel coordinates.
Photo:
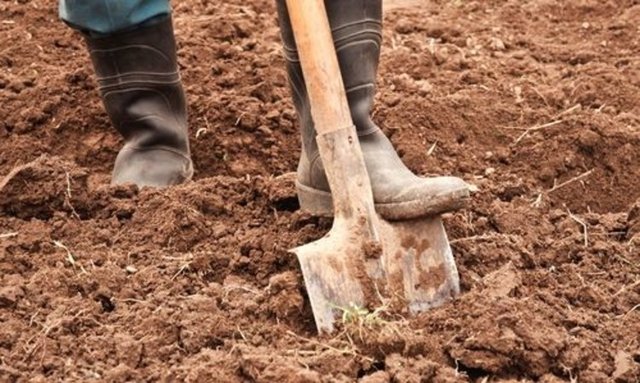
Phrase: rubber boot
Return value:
(398, 193)
(141, 89)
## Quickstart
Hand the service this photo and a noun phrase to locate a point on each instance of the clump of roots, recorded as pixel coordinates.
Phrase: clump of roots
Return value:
(361, 324)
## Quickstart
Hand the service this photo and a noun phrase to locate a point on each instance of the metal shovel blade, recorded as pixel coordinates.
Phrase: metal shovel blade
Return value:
(414, 268)
(418, 263)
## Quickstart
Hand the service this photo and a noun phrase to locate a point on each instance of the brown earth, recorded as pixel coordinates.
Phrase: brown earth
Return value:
(537, 103)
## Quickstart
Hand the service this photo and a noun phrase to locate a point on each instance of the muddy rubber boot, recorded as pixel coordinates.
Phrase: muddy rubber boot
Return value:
(141, 89)
(356, 27)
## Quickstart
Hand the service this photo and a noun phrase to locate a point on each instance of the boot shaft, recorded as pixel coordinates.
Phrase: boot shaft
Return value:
(140, 85)
(356, 27)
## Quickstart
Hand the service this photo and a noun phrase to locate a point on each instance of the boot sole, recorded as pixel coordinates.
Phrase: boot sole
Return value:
(319, 203)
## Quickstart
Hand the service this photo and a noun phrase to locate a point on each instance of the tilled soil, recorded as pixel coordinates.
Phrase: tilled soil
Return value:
(536, 103)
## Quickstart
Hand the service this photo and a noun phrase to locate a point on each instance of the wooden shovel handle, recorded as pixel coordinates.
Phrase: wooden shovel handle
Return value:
(337, 137)
(329, 106)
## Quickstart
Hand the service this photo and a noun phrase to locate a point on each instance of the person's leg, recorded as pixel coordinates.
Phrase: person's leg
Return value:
(398, 193)
(108, 16)
(133, 50)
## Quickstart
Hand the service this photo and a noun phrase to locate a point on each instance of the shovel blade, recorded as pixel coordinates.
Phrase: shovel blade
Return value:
(415, 268)
(418, 263)
(332, 276)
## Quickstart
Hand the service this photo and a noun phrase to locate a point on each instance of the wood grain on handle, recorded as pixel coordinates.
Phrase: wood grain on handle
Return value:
(320, 68)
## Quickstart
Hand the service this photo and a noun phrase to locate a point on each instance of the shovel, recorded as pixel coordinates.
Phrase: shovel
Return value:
(363, 258)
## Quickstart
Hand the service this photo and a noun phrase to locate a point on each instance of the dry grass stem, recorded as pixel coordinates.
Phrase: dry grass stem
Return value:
(181, 270)
(634, 308)
(584, 226)
(625, 288)
(432, 148)
(482, 237)
(574, 108)
(345, 351)
(574, 179)
(68, 197)
(200, 131)
(535, 128)
(537, 202)
(70, 258)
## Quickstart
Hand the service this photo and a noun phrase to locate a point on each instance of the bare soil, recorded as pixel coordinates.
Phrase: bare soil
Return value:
(537, 103)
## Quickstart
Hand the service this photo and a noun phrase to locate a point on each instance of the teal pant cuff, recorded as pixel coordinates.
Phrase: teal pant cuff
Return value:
(110, 16)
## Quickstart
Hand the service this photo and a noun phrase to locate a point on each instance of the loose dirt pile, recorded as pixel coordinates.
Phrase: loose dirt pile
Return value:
(537, 103)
